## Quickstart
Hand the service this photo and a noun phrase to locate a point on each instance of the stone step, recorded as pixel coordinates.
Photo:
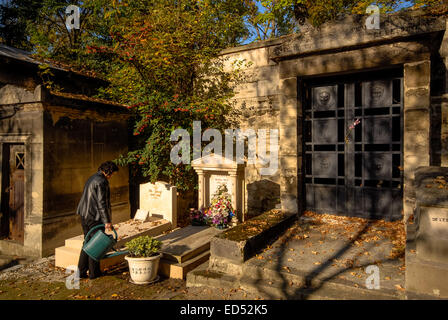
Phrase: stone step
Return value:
(275, 289)
(7, 262)
(187, 243)
(175, 270)
(66, 257)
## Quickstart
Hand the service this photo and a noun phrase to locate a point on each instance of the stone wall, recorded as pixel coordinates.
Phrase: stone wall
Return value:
(76, 142)
(25, 126)
(271, 95)
(257, 103)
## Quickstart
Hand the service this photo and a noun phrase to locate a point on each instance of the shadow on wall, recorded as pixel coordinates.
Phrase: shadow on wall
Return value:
(262, 196)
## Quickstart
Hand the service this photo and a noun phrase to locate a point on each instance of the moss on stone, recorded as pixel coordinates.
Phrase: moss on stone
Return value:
(254, 226)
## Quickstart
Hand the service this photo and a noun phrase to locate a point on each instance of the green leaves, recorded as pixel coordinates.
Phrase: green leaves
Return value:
(143, 246)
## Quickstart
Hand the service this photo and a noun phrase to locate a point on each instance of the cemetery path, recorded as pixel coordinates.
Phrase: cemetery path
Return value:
(41, 280)
(323, 250)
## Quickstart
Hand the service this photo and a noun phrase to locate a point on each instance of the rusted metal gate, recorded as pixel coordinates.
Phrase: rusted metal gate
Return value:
(354, 172)
(13, 192)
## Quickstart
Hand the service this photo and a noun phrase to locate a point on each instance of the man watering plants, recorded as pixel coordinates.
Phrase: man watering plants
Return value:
(94, 209)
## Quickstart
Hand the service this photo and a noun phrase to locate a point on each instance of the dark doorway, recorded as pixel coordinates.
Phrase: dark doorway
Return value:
(354, 172)
(13, 196)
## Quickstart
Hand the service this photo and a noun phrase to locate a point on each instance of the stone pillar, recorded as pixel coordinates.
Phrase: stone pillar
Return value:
(234, 192)
(444, 107)
(201, 191)
(444, 131)
(289, 143)
(416, 137)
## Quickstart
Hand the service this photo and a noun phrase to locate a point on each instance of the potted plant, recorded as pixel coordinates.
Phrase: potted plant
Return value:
(221, 213)
(143, 258)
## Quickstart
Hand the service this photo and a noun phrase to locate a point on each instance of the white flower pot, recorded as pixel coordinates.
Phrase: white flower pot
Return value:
(143, 270)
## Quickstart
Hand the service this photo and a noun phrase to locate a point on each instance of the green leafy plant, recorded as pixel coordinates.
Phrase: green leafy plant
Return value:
(143, 247)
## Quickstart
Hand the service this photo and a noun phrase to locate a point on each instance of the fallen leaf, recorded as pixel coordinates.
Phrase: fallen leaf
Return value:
(317, 263)
(399, 287)
(114, 295)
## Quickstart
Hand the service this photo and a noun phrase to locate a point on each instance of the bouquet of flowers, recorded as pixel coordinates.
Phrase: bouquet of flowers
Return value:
(220, 213)
(198, 217)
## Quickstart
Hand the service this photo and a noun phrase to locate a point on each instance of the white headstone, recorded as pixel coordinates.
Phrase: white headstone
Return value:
(160, 200)
(216, 180)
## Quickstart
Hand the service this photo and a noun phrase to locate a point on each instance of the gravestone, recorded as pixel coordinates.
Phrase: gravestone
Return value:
(160, 200)
(214, 171)
(427, 243)
(432, 211)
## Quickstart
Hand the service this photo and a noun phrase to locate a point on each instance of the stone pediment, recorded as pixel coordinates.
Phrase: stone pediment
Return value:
(214, 161)
(350, 31)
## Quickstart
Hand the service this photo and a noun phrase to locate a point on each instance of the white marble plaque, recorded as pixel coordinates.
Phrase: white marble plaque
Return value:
(217, 180)
(141, 215)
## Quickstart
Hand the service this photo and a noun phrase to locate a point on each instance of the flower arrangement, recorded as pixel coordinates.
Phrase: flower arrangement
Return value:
(198, 217)
(220, 213)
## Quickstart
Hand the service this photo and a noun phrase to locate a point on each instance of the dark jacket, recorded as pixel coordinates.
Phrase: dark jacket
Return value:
(95, 201)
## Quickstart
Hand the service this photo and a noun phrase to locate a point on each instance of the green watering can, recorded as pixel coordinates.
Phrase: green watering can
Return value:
(100, 244)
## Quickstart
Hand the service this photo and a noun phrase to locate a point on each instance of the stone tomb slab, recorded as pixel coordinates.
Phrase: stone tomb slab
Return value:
(186, 243)
(69, 254)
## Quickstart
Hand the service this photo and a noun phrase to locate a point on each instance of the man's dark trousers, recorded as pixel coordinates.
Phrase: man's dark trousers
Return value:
(85, 262)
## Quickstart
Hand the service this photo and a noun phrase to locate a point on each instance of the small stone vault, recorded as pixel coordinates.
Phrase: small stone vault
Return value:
(50, 144)
(311, 86)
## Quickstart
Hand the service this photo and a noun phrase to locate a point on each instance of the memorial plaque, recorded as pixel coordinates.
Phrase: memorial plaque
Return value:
(325, 131)
(141, 215)
(377, 165)
(325, 165)
(377, 130)
(216, 180)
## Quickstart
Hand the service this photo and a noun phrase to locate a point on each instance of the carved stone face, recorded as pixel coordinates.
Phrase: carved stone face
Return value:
(377, 93)
(324, 97)
(324, 164)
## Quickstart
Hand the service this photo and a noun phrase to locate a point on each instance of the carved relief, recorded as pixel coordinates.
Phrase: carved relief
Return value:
(325, 98)
(377, 94)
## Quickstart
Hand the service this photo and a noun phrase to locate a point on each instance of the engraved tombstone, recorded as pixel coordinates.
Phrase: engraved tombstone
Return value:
(432, 212)
(160, 200)
(213, 171)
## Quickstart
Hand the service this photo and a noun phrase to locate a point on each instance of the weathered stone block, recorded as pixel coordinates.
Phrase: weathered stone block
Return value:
(432, 235)
(288, 87)
(417, 74)
(417, 120)
(243, 241)
(416, 142)
(417, 98)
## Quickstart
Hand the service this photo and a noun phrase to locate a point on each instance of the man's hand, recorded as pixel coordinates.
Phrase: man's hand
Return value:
(108, 226)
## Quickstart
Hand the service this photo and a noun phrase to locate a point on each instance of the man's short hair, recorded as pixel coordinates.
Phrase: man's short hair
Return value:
(108, 167)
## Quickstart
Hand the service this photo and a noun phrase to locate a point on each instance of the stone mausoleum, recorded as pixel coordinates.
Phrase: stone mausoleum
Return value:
(313, 85)
(359, 112)
(50, 143)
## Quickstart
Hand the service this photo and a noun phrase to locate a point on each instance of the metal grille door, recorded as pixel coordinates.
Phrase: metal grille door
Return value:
(358, 171)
